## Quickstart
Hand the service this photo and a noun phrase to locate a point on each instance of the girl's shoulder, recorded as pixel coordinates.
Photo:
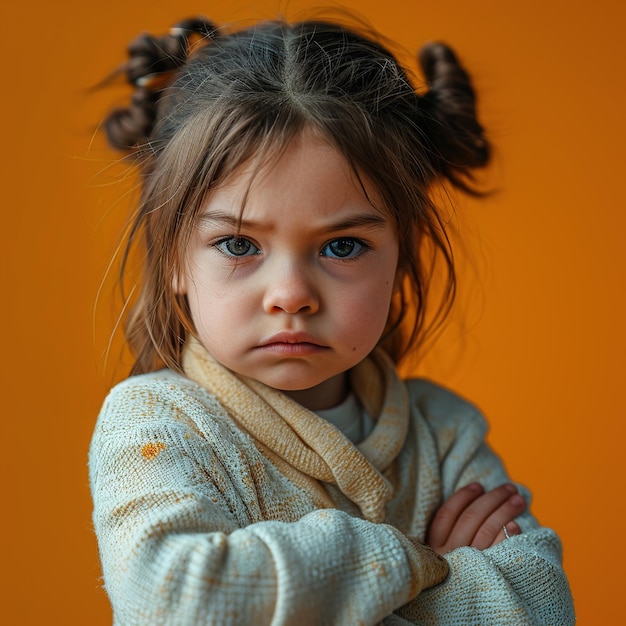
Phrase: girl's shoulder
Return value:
(158, 399)
(160, 387)
(442, 408)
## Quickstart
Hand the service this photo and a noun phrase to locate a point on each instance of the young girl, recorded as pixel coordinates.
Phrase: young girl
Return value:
(264, 464)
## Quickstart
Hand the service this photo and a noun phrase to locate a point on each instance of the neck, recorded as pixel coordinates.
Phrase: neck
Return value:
(326, 395)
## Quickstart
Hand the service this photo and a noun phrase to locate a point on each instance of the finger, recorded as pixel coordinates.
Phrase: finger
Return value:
(471, 520)
(492, 526)
(448, 513)
(512, 529)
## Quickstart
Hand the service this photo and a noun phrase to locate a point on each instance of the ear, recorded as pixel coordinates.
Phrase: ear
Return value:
(399, 279)
(179, 283)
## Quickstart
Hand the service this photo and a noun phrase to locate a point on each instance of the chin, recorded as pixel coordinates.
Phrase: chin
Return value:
(296, 383)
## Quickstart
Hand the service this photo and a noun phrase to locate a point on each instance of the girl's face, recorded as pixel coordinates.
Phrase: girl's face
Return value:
(300, 293)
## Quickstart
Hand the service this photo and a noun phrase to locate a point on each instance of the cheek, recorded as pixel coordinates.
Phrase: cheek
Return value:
(365, 311)
(218, 314)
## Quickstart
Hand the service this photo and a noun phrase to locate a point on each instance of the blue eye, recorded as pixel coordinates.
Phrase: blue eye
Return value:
(344, 248)
(237, 247)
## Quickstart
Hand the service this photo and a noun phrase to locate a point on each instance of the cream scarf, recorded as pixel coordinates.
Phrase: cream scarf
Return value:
(305, 447)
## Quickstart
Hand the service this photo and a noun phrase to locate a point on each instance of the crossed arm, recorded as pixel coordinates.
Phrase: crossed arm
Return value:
(181, 537)
(474, 517)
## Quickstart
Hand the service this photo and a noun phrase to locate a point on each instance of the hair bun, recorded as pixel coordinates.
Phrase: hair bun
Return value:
(128, 127)
(450, 114)
(151, 67)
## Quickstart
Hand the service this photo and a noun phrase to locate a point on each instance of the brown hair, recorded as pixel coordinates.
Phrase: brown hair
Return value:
(205, 101)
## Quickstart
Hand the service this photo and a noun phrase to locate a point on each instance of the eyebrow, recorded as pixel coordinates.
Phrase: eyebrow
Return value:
(359, 220)
(367, 220)
(219, 218)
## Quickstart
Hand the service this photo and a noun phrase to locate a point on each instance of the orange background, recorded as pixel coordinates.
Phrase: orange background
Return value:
(538, 340)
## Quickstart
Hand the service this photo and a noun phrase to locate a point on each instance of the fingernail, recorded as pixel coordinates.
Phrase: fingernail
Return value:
(510, 488)
(475, 487)
(517, 501)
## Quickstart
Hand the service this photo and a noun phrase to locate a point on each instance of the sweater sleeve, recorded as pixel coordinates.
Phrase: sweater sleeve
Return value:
(520, 581)
(177, 547)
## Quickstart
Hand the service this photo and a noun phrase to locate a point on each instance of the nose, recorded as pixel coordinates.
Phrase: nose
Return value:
(290, 288)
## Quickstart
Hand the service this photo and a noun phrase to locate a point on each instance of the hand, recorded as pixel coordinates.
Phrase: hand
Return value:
(473, 517)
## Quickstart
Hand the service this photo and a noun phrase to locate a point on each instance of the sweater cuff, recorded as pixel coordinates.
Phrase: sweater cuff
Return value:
(428, 568)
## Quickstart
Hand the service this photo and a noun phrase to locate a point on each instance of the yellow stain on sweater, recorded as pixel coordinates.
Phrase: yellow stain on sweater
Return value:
(152, 450)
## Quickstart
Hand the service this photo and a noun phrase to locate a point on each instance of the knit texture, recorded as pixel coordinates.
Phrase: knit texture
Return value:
(218, 500)
(310, 446)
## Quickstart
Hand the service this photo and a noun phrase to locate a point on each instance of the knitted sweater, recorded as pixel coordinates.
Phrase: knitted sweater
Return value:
(218, 500)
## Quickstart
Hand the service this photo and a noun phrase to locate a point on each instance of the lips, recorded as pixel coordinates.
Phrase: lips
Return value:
(289, 337)
(292, 343)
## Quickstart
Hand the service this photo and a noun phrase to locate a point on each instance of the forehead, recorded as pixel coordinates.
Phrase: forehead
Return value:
(308, 174)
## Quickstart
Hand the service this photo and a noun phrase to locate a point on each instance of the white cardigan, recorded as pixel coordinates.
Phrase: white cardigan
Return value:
(207, 516)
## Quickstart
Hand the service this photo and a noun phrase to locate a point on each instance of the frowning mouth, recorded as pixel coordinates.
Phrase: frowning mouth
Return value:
(292, 343)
